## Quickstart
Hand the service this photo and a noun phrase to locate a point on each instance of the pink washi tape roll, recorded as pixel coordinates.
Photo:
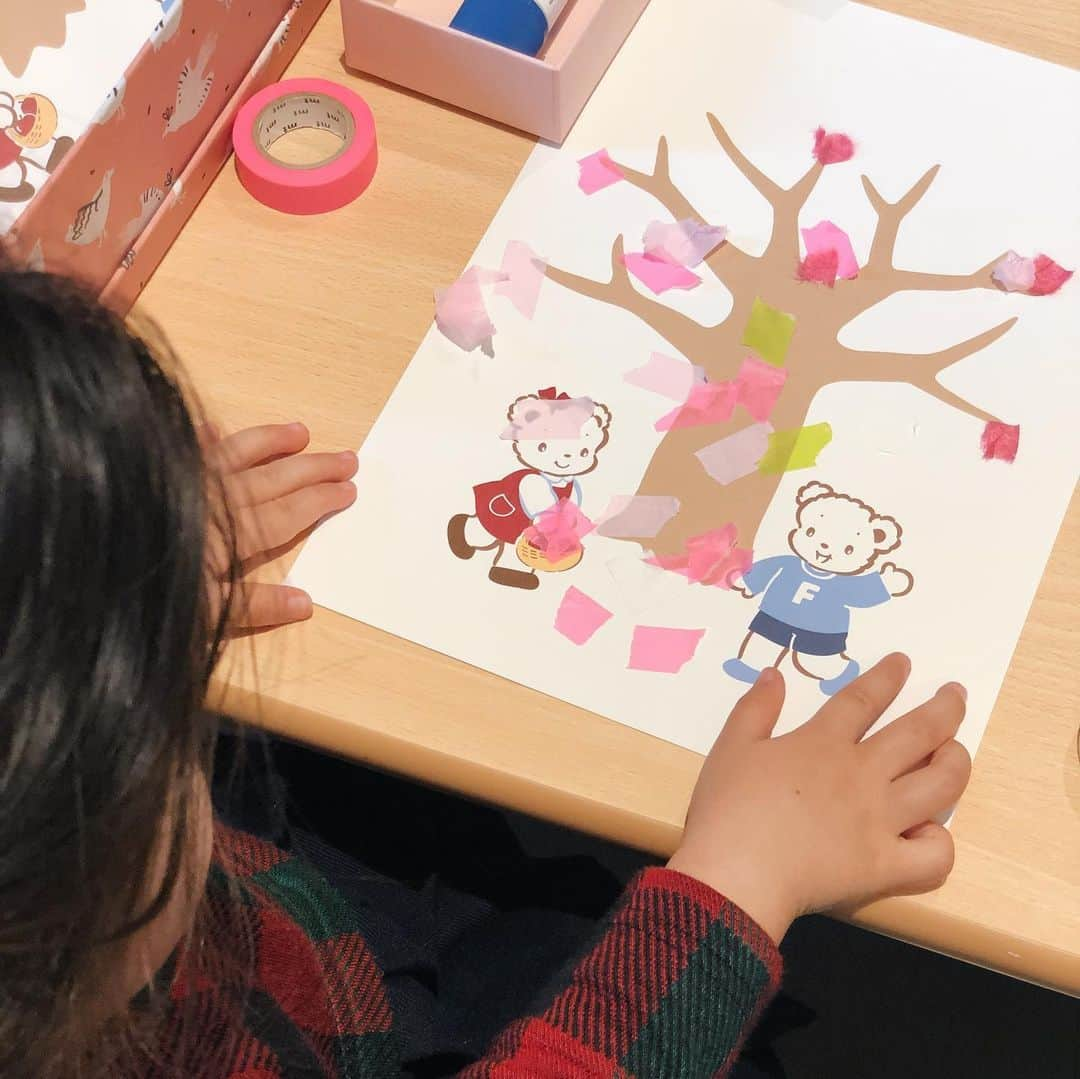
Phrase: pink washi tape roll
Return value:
(288, 106)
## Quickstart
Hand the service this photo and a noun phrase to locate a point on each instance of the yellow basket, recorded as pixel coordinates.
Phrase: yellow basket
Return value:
(45, 124)
(535, 559)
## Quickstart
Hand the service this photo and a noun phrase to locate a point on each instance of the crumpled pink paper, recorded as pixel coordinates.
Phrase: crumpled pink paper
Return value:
(1038, 276)
(579, 616)
(558, 531)
(524, 273)
(684, 243)
(711, 558)
(667, 376)
(637, 516)
(597, 172)
(462, 315)
(1014, 273)
(709, 402)
(1049, 276)
(659, 275)
(1000, 441)
(537, 421)
(832, 147)
(825, 237)
(758, 387)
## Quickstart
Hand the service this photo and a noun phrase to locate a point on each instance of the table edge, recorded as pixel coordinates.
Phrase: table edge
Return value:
(905, 918)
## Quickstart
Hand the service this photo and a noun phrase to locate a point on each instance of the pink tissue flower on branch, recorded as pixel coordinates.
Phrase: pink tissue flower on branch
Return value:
(558, 531)
(832, 148)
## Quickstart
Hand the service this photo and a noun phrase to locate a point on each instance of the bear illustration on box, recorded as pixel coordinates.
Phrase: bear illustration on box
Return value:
(807, 596)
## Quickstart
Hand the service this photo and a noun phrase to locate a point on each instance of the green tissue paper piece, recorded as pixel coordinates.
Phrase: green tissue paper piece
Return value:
(797, 448)
(769, 332)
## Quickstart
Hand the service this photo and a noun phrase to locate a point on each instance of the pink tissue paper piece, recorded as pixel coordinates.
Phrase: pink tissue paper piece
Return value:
(1014, 273)
(831, 148)
(597, 172)
(758, 387)
(667, 376)
(1049, 276)
(460, 312)
(579, 616)
(659, 275)
(637, 516)
(824, 237)
(535, 420)
(685, 243)
(709, 402)
(558, 531)
(524, 271)
(820, 268)
(1000, 441)
(711, 558)
(663, 650)
(737, 455)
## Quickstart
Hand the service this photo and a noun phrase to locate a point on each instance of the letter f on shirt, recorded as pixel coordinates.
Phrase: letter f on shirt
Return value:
(805, 591)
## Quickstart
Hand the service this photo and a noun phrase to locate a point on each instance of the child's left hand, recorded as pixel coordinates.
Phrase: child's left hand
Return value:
(274, 493)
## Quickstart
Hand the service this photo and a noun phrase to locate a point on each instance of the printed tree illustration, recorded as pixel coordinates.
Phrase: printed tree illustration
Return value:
(815, 359)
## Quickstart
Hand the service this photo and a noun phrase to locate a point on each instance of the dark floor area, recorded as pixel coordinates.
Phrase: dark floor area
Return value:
(884, 1010)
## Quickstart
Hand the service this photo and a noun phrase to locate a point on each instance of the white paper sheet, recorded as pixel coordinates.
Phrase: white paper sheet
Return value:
(976, 534)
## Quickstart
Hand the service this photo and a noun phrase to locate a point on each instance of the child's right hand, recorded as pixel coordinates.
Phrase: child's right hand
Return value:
(819, 819)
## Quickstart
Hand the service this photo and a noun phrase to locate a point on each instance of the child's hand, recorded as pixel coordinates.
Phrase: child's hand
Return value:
(898, 581)
(817, 819)
(274, 493)
(739, 585)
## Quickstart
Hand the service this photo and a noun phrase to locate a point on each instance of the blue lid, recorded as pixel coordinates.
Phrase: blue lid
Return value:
(516, 24)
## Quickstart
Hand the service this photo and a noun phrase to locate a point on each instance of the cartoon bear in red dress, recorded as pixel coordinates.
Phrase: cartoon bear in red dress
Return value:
(557, 438)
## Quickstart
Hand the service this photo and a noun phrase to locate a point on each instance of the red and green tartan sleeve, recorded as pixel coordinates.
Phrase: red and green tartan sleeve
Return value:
(669, 992)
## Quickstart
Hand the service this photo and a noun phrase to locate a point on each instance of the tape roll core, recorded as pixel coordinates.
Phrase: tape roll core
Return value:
(303, 187)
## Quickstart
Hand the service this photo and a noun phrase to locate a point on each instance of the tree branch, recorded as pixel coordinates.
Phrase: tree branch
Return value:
(660, 185)
(768, 187)
(787, 202)
(681, 332)
(890, 215)
(922, 371)
(914, 281)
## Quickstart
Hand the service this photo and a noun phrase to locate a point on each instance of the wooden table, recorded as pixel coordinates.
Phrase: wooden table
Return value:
(281, 318)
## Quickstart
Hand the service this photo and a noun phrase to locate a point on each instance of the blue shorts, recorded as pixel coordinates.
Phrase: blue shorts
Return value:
(806, 641)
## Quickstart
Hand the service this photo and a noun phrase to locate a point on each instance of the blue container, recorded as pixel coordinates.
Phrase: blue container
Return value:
(521, 25)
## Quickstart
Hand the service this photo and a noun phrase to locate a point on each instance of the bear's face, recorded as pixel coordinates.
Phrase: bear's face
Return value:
(564, 456)
(839, 534)
(558, 437)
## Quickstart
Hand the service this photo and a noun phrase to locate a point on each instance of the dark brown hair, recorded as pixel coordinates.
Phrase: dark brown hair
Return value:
(109, 632)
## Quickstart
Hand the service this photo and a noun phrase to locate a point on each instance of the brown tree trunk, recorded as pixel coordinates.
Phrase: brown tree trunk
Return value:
(706, 504)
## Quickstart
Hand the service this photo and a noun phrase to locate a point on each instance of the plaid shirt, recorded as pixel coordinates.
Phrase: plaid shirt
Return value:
(670, 990)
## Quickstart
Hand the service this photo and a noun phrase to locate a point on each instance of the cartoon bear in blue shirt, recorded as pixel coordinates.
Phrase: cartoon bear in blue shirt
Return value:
(808, 595)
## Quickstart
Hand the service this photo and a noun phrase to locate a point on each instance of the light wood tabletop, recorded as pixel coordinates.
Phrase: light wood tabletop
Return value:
(282, 318)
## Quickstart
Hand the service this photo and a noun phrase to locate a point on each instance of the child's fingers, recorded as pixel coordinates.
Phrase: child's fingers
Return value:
(920, 861)
(257, 444)
(276, 523)
(261, 606)
(265, 483)
(754, 716)
(923, 794)
(855, 709)
(909, 740)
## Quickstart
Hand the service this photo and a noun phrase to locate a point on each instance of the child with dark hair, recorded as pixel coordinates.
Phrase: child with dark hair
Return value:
(138, 938)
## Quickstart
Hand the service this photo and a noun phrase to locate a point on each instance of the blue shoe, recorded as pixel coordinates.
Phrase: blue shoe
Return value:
(829, 686)
(741, 671)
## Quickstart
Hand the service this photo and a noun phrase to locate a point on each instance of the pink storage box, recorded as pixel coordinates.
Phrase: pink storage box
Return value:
(410, 43)
(131, 176)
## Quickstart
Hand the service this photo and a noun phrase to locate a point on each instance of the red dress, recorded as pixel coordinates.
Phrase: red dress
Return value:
(498, 504)
(10, 150)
